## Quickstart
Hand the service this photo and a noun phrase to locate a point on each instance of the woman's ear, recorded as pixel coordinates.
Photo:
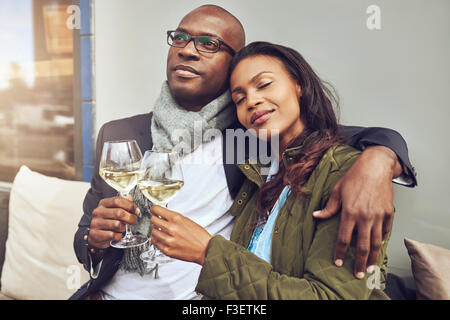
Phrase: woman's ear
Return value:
(298, 90)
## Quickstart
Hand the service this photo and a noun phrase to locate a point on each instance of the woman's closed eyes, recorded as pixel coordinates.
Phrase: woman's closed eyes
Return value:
(260, 86)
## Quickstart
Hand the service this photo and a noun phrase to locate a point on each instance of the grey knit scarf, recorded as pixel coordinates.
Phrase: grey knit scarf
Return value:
(173, 127)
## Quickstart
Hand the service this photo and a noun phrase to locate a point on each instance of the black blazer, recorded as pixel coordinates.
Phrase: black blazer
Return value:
(138, 128)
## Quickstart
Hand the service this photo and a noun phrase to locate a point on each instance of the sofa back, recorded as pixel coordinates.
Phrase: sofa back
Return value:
(4, 214)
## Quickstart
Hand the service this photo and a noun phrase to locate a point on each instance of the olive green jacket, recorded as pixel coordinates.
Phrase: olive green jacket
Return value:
(302, 247)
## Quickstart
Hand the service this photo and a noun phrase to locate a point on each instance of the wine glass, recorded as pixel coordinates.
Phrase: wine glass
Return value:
(119, 167)
(160, 180)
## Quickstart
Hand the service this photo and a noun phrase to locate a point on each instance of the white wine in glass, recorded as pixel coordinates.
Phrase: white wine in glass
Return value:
(160, 180)
(160, 192)
(121, 181)
(120, 167)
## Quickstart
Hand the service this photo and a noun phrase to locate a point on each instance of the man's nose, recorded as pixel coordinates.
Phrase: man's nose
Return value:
(189, 51)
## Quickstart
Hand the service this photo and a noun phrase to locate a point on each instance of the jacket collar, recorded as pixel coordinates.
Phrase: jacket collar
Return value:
(290, 154)
(254, 171)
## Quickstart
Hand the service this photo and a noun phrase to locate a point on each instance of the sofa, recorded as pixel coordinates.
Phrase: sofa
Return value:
(39, 217)
(4, 201)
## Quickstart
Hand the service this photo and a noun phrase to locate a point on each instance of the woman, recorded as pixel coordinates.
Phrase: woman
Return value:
(277, 250)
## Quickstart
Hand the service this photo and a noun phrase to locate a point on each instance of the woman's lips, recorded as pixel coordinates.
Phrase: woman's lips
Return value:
(260, 116)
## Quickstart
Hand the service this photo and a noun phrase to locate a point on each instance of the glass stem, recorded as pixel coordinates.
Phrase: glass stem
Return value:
(128, 233)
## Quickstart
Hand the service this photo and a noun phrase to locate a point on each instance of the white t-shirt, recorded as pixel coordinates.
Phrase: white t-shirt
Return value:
(205, 199)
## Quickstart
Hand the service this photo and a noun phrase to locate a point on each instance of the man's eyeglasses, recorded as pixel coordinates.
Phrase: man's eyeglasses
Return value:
(209, 44)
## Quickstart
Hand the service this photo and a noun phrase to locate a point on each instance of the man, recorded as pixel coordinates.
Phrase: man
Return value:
(197, 91)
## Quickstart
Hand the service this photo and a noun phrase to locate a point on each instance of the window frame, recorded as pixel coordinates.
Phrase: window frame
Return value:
(84, 92)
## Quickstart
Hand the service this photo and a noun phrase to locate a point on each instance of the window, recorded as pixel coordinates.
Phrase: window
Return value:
(37, 126)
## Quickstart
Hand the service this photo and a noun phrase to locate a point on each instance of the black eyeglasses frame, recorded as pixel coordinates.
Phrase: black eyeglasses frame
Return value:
(195, 38)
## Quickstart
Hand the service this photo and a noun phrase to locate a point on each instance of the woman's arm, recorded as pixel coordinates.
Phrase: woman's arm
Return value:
(232, 272)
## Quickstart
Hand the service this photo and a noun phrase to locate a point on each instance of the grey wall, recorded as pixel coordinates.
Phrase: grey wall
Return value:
(396, 77)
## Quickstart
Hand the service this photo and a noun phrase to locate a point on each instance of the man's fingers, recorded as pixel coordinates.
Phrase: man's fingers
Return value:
(126, 204)
(343, 240)
(375, 245)
(101, 238)
(387, 224)
(115, 214)
(108, 225)
(332, 207)
(362, 249)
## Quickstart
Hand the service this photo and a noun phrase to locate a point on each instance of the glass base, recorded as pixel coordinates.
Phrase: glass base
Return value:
(153, 256)
(130, 242)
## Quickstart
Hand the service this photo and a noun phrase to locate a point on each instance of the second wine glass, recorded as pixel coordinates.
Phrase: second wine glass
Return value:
(119, 167)
(160, 180)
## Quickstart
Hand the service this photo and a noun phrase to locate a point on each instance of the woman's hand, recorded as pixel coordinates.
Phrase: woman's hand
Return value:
(177, 236)
(365, 196)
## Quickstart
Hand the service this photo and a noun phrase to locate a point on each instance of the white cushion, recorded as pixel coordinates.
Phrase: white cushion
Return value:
(40, 261)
